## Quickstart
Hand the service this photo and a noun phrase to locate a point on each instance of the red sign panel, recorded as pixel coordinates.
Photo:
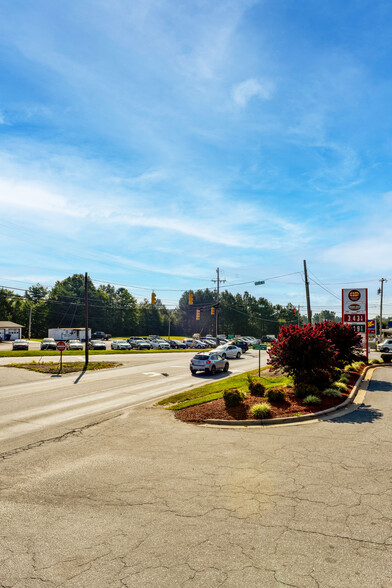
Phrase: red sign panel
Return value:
(61, 346)
(354, 318)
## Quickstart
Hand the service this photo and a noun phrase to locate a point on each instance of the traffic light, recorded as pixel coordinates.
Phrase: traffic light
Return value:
(153, 298)
(198, 314)
(294, 311)
(190, 298)
(212, 310)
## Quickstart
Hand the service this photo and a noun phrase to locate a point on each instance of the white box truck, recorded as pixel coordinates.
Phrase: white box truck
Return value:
(66, 334)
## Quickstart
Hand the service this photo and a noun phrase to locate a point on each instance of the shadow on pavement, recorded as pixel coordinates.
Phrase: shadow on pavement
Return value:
(80, 376)
(379, 386)
(364, 414)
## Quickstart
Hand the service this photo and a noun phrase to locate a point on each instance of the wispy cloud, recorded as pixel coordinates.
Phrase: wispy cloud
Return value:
(251, 88)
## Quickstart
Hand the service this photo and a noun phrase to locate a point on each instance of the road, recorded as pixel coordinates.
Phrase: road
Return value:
(51, 406)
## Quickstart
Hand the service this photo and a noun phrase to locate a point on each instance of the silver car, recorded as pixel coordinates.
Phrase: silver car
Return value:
(209, 363)
(120, 344)
(74, 344)
(229, 350)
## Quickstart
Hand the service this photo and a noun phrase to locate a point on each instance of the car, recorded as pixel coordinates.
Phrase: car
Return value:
(48, 343)
(139, 343)
(268, 339)
(19, 344)
(120, 344)
(229, 350)
(100, 335)
(385, 346)
(97, 344)
(159, 344)
(175, 344)
(209, 363)
(74, 345)
(209, 342)
(243, 344)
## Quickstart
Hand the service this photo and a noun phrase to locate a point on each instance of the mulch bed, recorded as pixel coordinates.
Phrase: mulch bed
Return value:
(216, 409)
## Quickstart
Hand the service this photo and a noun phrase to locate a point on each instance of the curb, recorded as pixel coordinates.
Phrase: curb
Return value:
(293, 419)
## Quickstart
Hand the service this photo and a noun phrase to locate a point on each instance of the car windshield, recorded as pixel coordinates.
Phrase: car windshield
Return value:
(19, 341)
(47, 340)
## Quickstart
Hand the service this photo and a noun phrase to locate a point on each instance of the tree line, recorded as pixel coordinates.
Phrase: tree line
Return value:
(116, 311)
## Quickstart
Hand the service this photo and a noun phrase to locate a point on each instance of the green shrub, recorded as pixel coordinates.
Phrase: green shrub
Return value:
(357, 365)
(340, 386)
(311, 399)
(255, 388)
(375, 361)
(336, 373)
(345, 378)
(233, 397)
(386, 357)
(301, 390)
(332, 393)
(261, 411)
(276, 395)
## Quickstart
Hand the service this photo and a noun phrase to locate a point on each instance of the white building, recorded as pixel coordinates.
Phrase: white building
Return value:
(10, 331)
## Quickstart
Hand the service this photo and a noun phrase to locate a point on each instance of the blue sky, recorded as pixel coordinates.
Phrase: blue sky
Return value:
(149, 143)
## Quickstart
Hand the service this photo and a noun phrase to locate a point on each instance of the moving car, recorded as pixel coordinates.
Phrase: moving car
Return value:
(19, 344)
(243, 344)
(74, 345)
(120, 344)
(48, 343)
(385, 346)
(229, 350)
(97, 344)
(208, 362)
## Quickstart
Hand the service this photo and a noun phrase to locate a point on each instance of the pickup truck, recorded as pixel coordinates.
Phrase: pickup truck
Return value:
(101, 335)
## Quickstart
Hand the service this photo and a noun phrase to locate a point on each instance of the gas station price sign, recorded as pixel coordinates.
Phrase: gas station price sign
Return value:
(355, 311)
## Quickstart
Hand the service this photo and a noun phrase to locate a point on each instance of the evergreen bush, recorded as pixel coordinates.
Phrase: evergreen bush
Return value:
(275, 395)
(311, 399)
(261, 411)
(233, 397)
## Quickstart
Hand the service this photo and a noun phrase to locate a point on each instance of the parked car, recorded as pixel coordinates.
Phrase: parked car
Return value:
(268, 338)
(100, 335)
(139, 343)
(159, 344)
(20, 344)
(120, 344)
(229, 350)
(243, 344)
(97, 344)
(175, 344)
(208, 362)
(74, 345)
(385, 346)
(48, 343)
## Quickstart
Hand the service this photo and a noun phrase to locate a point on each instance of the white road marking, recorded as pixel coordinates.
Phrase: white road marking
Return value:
(152, 374)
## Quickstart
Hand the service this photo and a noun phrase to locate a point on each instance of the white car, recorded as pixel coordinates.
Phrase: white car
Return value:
(385, 346)
(74, 345)
(229, 350)
(159, 344)
(120, 344)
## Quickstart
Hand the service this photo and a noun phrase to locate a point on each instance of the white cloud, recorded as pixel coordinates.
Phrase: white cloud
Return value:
(251, 88)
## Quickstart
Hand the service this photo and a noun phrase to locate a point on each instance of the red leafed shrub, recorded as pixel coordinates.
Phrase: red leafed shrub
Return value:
(304, 353)
(345, 340)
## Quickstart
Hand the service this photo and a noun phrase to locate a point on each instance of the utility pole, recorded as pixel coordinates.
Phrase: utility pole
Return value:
(86, 320)
(307, 294)
(381, 290)
(30, 313)
(218, 281)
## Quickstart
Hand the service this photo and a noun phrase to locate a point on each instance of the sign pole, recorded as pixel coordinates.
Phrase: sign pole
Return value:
(61, 361)
(259, 363)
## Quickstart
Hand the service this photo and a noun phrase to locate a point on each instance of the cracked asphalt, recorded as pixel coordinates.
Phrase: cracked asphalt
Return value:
(145, 500)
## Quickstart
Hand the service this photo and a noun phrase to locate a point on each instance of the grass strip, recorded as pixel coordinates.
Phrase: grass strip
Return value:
(51, 367)
(204, 393)
(38, 353)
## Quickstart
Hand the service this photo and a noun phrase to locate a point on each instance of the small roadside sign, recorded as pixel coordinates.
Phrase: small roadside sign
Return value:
(61, 346)
(260, 347)
(230, 336)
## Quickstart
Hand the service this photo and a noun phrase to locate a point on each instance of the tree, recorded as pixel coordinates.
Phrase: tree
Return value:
(345, 340)
(325, 315)
(305, 354)
(36, 293)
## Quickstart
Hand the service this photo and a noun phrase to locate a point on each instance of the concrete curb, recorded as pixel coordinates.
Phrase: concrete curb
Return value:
(293, 419)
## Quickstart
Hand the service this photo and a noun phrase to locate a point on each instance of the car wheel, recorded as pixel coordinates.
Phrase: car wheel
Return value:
(226, 368)
(223, 355)
(385, 350)
(193, 372)
(238, 355)
(213, 370)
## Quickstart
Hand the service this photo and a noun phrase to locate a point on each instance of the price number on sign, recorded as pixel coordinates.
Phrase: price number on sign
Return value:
(354, 318)
(359, 328)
